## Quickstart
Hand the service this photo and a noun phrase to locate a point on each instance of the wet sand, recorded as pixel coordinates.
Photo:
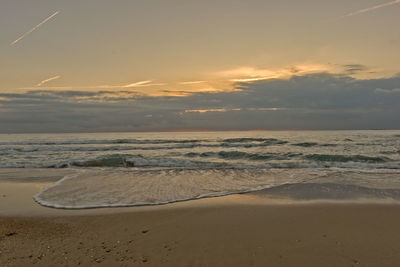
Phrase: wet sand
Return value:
(238, 230)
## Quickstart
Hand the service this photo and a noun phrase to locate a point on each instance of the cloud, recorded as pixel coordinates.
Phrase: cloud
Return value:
(354, 68)
(188, 92)
(251, 74)
(361, 11)
(205, 110)
(48, 80)
(385, 91)
(34, 28)
(222, 81)
(250, 79)
(266, 109)
(312, 101)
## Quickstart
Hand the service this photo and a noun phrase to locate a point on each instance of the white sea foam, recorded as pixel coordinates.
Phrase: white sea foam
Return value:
(95, 188)
(117, 187)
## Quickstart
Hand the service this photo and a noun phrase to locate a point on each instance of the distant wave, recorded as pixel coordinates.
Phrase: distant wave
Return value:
(243, 155)
(214, 159)
(92, 148)
(390, 152)
(269, 141)
(226, 159)
(120, 160)
(311, 144)
(346, 158)
(106, 141)
(260, 161)
(153, 145)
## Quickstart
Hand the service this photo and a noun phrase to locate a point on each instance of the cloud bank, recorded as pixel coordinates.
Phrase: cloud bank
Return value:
(313, 101)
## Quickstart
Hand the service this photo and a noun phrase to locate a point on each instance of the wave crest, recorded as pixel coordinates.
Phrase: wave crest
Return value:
(346, 158)
(233, 155)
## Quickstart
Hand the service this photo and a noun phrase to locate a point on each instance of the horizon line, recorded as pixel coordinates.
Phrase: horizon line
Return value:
(201, 131)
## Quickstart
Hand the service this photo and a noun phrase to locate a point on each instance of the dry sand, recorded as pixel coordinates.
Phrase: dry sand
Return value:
(239, 230)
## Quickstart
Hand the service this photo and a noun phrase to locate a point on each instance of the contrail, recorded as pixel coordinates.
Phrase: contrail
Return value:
(192, 82)
(371, 8)
(48, 80)
(34, 28)
(137, 84)
(132, 85)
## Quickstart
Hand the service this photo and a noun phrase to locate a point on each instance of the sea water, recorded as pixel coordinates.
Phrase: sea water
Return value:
(127, 169)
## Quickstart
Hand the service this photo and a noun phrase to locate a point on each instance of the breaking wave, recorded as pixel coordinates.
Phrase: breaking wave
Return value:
(269, 141)
(107, 141)
(346, 158)
(126, 144)
(234, 160)
(311, 144)
(93, 148)
(233, 155)
(120, 160)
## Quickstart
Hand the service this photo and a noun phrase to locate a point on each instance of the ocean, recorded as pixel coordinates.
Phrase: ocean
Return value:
(129, 169)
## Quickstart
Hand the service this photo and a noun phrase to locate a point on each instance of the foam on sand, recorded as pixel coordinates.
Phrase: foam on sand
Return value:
(119, 187)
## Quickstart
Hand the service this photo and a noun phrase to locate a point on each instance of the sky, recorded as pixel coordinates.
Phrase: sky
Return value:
(169, 65)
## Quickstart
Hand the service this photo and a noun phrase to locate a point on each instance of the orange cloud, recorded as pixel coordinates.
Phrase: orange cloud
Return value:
(205, 110)
(250, 74)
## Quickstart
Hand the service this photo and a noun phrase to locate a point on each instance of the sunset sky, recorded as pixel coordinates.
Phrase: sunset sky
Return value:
(100, 65)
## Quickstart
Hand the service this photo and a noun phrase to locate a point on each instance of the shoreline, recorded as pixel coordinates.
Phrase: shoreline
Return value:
(19, 186)
(253, 229)
(319, 234)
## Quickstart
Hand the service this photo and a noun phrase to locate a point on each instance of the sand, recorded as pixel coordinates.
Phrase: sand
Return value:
(237, 230)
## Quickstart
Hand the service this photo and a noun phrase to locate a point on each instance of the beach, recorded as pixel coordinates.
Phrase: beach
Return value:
(200, 133)
(255, 229)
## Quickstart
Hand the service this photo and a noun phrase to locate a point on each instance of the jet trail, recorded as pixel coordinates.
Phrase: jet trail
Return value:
(48, 80)
(34, 28)
(371, 8)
